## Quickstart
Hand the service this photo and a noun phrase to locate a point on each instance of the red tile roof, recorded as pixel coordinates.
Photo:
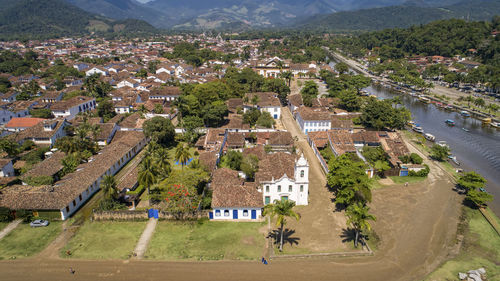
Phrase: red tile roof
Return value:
(23, 122)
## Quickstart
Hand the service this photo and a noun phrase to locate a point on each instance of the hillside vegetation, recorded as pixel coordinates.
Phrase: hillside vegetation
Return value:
(39, 19)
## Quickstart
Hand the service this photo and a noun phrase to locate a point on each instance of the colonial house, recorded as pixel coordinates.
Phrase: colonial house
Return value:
(96, 70)
(165, 93)
(14, 109)
(310, 120)
(128, 83)
(265, 102)
(66, 196)
(295, 102)
(271, 68)
(43, 133)
(284, 176)
(49, 167)
(22, 123)
(51, 97)
(233, 198)
(9, 96)
(6, 168)
(106, 133)
(70, 108)
(301, 69)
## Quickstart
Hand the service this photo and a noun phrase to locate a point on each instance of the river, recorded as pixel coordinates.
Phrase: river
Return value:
(478, 149)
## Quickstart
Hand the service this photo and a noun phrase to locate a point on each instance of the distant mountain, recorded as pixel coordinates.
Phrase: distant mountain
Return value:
(400, 16)
(38, 19)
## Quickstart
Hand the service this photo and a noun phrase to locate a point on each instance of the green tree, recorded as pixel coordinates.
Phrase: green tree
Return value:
(70, 163)
(341, 68)
(349, 181)
(478, 197)
(439, 152)
(265, 120)
(358, 217)
(108, 187)
(250, 165)
(42, 113)
(146, 177)
(9, 147)
(106, 110)
(233, 159)
(160, 130)
(281, 210)
(471, 181)
(251, 116)
(381, 166)
(182, 154)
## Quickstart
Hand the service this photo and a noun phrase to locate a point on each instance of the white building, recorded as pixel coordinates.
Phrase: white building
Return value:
(283, 176)
(6, 168)
(95, 70)
(44, 133)
(70, 108)
(310, 120)
(265, 102)
(233, 198)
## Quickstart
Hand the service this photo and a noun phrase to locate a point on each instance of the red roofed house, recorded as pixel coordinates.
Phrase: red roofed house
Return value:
(22, 123)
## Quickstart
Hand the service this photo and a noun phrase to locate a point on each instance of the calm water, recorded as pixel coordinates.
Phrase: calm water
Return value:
(478, 149)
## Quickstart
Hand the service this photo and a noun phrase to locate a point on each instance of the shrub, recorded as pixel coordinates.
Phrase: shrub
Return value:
(40, 180)
(421, 173)
(416, 159)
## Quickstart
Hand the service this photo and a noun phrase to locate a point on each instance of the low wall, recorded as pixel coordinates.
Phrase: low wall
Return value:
(143, 215)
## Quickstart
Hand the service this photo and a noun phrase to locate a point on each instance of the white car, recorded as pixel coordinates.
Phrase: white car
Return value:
(39, 223)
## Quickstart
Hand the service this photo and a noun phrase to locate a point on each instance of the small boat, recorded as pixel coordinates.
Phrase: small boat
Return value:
(465, 129)
(454, 159)
(450, 122)
(465, 113)
(418, 129)
(495, 124)
(442, 143)
(486, 121)
(424, 99)
(429, 137)
(448, 107)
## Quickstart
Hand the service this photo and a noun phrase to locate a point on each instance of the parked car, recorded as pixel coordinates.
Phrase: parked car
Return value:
(39, 223)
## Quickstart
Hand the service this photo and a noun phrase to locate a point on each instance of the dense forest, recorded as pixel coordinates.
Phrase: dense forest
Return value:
(399, 16)
(41, 19)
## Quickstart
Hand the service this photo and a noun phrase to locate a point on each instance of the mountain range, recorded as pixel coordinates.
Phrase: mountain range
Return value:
(203, 14)
(39, 19)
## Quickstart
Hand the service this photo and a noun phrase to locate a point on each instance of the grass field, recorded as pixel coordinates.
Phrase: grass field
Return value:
(204, 240)
(26, 241)
(481, 248)
(3, 224)
(402, 180)
(104, 240)
(171, 157)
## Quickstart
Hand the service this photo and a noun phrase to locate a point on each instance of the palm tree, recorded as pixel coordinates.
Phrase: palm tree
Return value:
(281, 210)
(146, 177)
(469, 99)
(182, 154)
(108, 186)
(358, 217)
(287, 75)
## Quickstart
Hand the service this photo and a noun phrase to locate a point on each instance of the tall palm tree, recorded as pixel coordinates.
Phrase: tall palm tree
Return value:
(281, 210)
(287, 75)
(182, 154)
(108, 187)
(146, 177)
(358, 217)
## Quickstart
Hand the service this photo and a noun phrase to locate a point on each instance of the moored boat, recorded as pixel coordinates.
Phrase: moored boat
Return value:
(424, 99)
(486, 121)
(465, 113)
(450, 122)
(495, 124)
(430, 137)
(418, 129)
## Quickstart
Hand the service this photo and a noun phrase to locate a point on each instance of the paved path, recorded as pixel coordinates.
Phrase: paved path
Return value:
(9, 228)
(142, 245)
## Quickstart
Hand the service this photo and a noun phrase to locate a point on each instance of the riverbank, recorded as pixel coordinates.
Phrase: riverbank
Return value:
(437, 94)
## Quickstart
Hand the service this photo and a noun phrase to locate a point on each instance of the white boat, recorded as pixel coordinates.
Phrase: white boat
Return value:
(495, 124)
(429, 137)
(454, 159)
(442, 143)
(418, 129)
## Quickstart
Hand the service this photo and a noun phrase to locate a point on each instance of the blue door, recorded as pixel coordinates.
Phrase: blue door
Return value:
(155, 214)
(254, 214)
(275, 116)
(235, 214)
(211, 215)
(150, 213)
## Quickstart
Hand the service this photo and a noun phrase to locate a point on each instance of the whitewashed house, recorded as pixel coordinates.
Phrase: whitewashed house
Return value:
(95, 70)
(310, 120)
(265, 102)
(233, 198)
(70, 108)
(6, 168)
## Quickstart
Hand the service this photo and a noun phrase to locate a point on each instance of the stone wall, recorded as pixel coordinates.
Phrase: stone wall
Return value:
(143, 215)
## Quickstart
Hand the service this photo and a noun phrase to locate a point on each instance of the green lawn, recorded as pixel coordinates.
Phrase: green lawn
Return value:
(481, 248)
(3, 224)
(104, 240)
(402, 180)
(205, 240)
(25, 241)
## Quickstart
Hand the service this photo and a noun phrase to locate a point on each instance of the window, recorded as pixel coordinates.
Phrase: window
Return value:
(284, 198)
(217, 213)
(302, 173)
(290, 188)
(267, 200)
(301, 188)
(67, 209)
(245, 213)
(275, 109)
(226, 213)
(267, 188)
(279, 188)
(80, 197)
(74, 203)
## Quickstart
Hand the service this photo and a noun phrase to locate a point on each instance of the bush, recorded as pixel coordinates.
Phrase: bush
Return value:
(138, 191)
(35, 156)
(40, 180)
(416, 159)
